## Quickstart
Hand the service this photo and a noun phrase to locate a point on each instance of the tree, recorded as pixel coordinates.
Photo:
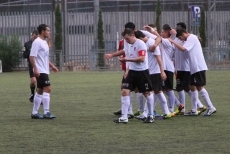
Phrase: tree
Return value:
(202, 28)
(158, 16)
(10, 52)
(101, 44)
(58, 33)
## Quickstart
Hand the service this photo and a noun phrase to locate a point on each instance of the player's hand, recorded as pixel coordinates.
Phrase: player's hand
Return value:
(148, 28)
(36, 73)
(108, 56)
(173, 32)
(163, 76)
(126, 74)
(152, 48)
(122, 59)
(55, 69)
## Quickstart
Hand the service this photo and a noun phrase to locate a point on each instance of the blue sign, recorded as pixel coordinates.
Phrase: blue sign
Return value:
(195, 15)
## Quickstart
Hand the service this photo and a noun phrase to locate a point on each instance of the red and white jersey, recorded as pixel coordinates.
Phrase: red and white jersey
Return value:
(135, 50)
(121, 47)
(167, 48)
(196, 58)
(181, 58)
(152, 61)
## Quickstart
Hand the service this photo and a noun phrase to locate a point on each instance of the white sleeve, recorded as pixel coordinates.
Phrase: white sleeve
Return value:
(189, 43)
(34, 49)
(148, 34)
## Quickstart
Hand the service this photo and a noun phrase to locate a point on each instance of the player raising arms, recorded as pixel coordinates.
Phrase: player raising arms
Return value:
(157, 74)
(167, 48)
(198, 69)
(137, 76)
(183, 72)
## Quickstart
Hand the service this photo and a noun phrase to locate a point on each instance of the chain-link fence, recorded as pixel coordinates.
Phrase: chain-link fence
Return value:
(80, 17)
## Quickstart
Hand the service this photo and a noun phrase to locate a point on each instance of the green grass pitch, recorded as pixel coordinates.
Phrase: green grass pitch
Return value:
(83, 103)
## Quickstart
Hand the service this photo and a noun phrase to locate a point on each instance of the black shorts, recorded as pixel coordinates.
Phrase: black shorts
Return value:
(168, 83)
(198, 79)
(31, 71)
(137, 79)
(43, 80)
(156, 82)
(183, 80)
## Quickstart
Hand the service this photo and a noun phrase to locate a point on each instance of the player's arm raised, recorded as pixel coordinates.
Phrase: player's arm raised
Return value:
(114, 54)
(177, 45)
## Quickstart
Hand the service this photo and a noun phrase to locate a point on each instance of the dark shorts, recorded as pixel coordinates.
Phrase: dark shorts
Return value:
(137, 79)
(198, 79)
(168, 83)
(156, 82)
(31, 72)
(183, 80)
(43, 80)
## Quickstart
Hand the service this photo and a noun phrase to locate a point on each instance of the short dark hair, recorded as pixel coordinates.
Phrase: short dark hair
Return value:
(128, 31)
(139, 34)
(35, 32)
(167, 29)
(41, 27)
(130, 25)
(182, 25)
(179, 31)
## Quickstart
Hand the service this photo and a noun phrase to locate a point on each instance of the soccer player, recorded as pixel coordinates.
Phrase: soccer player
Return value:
(26, 54)
(137, 76)
(39, 58)
(183, 72)
(157, 74)
(167, 52)
(198, 69)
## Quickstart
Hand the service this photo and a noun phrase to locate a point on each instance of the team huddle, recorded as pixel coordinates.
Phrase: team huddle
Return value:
(150, 61)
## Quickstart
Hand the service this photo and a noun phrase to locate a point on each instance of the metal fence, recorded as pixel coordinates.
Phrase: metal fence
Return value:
(80, 26)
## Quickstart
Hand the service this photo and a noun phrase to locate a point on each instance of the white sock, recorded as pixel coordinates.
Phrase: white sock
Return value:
(46, 102)
(145, 113)
(154, 101)
(125, 102)
(206, 98)
(149, 100)
(130, 110)
(163, 103)
(194, 98)
(140, 101)
(199, 104)
(37, 103)
(171, 100)
(182, 98)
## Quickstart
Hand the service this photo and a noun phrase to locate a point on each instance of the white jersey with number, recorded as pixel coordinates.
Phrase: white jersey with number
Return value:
(40, 50)
(181, 58)
(196, 58)
(135, 50)
(148, 34)
(167, 48)
(152, 61)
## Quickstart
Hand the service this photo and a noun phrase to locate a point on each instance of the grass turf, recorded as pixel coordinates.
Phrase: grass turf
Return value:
(83, 103)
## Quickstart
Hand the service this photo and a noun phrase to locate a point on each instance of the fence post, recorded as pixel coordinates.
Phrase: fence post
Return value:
(0, 66)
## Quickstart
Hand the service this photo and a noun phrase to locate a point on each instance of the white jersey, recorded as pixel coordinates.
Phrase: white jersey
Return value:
(167, 48)
(133, 51)
(40, 50)
(148, 34)
(152, 61)
(181, 58)
(196, 57)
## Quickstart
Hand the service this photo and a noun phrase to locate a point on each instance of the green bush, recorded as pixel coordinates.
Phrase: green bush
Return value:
(10, 48)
